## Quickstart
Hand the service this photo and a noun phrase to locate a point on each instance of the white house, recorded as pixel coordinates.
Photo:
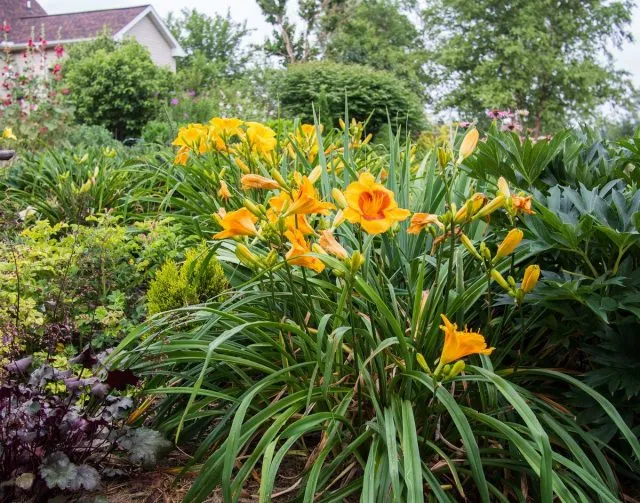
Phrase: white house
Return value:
(25, 20)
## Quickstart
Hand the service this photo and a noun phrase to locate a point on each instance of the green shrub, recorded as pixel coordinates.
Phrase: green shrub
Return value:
(91, 136)
(198, 279)
(368, 92)
(117, 86)
(156, 131)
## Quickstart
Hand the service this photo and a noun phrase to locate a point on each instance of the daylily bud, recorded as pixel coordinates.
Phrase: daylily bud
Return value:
(245, 256)
(498, 278)
(423, 363)
(509, 244)
(316, 248)
(258, 182)
(356, 261)
(468, 145)
(469, 246)
(243, 167)
(339, 198)
(338, 219)
(275, 174)
(315, 174)
(503, 187)
(531, 276)
(252, 208)
(271, 258)
(457, 368)
(446, 370)
(444, 156)
(486, 253)
(491, 206)
(511, 280)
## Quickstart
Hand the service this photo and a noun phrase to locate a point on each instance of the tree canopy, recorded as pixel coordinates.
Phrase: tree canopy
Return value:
(216, 42)
(550, 57)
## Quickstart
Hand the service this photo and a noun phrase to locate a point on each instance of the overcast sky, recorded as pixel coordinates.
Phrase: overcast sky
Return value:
(627, 59)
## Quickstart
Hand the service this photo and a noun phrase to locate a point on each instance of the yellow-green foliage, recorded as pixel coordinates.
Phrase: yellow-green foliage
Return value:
(198, 279)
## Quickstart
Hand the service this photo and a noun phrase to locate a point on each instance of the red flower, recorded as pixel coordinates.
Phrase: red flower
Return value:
(30, 42)
(59, 51)
(57, 68)
(65, 91)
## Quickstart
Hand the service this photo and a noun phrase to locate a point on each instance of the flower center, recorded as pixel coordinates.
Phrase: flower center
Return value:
(373, 203)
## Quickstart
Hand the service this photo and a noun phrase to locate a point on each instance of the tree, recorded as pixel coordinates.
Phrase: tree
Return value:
(215, 41)
(549, 57)
(115, 84)
(379, 34)
(285, 42)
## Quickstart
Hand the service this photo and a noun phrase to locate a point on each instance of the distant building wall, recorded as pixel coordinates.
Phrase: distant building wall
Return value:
(148, 35)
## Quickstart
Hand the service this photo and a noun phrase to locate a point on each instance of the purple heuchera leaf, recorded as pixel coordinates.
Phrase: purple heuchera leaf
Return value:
(86, 358)
(19, 366)
(58, 471)
(120, 379)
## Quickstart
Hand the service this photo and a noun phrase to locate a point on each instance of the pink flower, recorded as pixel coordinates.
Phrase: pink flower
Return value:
(65, 91)
(59, 51)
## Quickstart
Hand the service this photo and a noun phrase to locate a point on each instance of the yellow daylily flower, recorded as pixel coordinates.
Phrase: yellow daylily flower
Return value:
(471, 207)
(226, 127)
(372, 205)
(262, 139)
(7, 134)
(531, 277)
(509, 243)
(468, 145)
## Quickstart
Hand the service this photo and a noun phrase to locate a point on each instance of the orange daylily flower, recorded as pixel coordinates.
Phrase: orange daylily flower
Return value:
(420, 221)
(372, 205)
(224, 192)
(278, 205)
(461, 343)
(182, 156)
(298, 254)
(258, 182)
(522, 204)
(306, 200)
(237, 223)
(331, 245)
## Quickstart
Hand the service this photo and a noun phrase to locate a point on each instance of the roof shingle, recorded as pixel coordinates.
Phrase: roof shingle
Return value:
(71, 26)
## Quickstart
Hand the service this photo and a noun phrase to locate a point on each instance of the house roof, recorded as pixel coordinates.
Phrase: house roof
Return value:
(71, 26)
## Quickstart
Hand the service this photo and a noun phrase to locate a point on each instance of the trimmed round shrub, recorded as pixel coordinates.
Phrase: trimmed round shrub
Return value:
(198, 279)
(368, 92)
